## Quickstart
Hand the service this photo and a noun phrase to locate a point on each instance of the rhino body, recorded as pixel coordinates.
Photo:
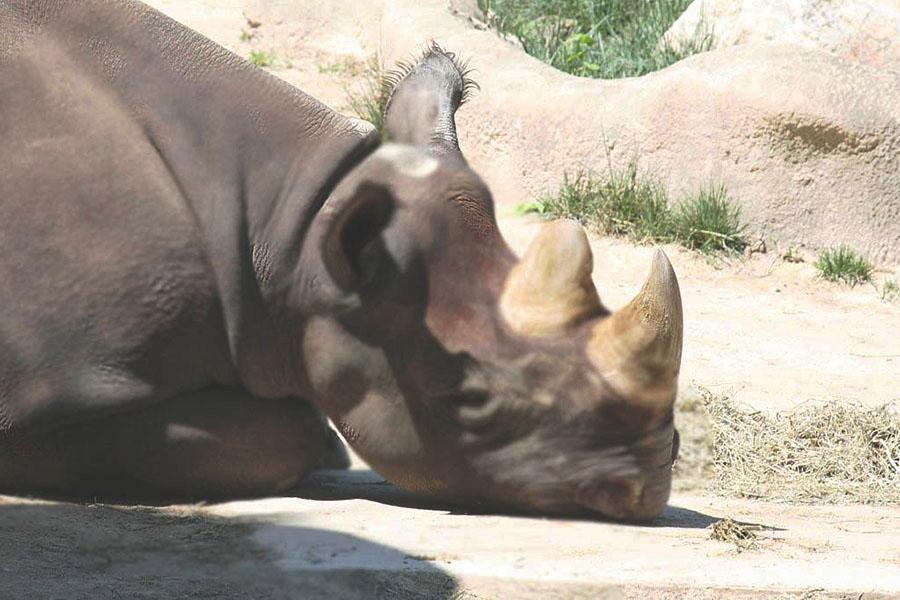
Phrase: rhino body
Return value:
(197, 261)
(141, 160)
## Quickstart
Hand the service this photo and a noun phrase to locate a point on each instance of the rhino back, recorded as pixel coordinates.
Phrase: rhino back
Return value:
(140, 164)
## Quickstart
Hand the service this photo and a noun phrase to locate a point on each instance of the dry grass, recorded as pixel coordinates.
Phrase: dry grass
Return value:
(694, 468)
(744, 537)
(368, 99)
(823, 453)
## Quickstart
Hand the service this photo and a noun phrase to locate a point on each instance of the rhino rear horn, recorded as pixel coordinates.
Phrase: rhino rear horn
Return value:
(423, 101)
(638, 347)
(551, 289)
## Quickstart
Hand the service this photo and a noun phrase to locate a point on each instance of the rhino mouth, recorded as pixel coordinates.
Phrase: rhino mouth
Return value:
(676, 446)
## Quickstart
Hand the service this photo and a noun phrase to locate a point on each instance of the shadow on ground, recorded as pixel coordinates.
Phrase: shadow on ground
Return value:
(101, 551)
(365, 484)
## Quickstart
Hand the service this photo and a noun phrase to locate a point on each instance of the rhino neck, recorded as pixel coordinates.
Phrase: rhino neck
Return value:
(255, 159)
(252, 158)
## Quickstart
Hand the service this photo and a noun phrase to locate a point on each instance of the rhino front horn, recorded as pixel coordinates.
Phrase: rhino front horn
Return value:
(638, 348)
(551, 289)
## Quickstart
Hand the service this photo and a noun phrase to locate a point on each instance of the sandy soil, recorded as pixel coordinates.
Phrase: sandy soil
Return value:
(765, 330)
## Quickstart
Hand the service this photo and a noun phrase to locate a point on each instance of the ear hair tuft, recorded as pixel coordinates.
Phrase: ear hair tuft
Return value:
(403, 68)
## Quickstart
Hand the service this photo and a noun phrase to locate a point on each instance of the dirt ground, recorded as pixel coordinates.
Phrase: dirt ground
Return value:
(763, 329)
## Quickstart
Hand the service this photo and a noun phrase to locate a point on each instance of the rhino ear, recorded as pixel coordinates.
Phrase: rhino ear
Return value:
(352, 247)
(424, 98)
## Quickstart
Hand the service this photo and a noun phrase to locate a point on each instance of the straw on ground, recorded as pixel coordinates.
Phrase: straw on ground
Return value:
(829, 452)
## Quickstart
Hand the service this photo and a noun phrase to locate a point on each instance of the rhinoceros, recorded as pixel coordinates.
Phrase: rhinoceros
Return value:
(198, 261)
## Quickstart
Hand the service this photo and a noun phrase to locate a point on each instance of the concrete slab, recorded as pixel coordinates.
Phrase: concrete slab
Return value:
(352, 535)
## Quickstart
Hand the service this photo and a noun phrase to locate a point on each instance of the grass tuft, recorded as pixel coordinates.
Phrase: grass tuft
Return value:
(346, 66)
(262, 58)
(710, 221)
(623, 203)
(605, 39)
(890, 290)
(627, 202)
(369, 99)
(792, 255)
(832, 452)
(843, 264)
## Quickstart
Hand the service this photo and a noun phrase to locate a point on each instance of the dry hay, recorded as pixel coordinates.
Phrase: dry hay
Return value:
(694, 467)
(831, 452)
(727, 530)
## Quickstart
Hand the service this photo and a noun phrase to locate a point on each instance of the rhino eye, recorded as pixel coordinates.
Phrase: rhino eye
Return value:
(476, 412)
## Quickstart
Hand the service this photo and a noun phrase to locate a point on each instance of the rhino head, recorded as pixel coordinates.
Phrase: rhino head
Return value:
(461, 372)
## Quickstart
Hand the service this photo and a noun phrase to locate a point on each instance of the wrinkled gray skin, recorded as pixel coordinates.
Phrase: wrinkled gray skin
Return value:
(196, 258)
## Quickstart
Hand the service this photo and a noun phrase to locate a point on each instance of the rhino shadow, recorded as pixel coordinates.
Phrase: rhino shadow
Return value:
(102, 551)
(365, 484)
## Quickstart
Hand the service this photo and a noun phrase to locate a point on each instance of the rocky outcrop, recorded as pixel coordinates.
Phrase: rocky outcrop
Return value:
(807, 143)
(857, 31)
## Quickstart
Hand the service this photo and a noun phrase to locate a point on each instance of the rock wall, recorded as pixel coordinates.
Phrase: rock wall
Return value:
(857, 31)
(807, 143)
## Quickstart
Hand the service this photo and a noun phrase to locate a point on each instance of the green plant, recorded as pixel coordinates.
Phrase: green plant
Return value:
(531, 208)
(628, 202)
(346, 66)
(262, 58)
(842, 263)
(598, 38)
(792, 255)
(890, 290)
(369, 100)
(245, 36)
(624, 202)
(710, 221)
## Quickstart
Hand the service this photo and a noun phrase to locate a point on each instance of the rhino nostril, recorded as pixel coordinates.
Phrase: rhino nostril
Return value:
(472, 398)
